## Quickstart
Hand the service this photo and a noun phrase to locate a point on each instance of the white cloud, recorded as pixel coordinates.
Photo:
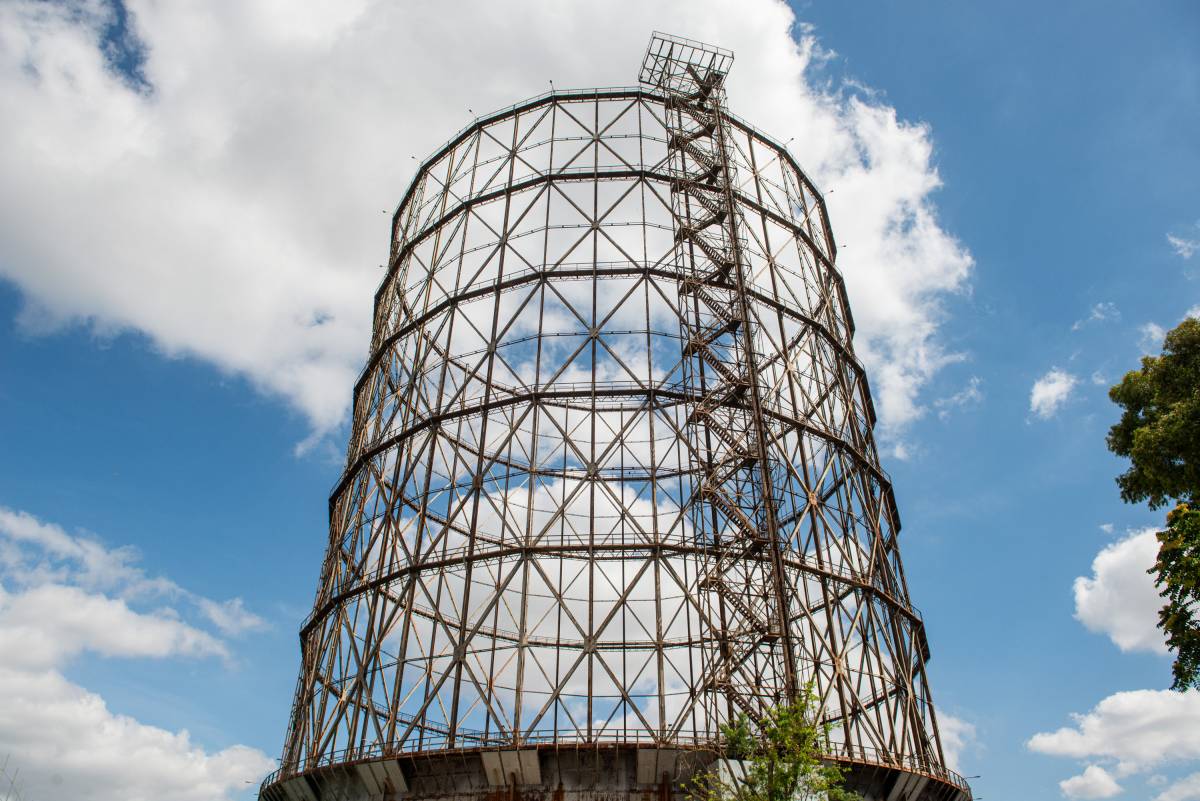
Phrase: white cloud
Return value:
(1094, 782)
(231, 617)
(1137, 730)
(1050, 392)
(1152, 337)
(1119, 599)
(64, 597)
(1107, 528)
(1193, 312)
(42, 627)
(1183, 247)
(1101, 312)
(56, 553)
(958, 736)
(966, 396)
(229, 209)
(35, 553)
(1186, 789)
(69, 744)
(1098, 379)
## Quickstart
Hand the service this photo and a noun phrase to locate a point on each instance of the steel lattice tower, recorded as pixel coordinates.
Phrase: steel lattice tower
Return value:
(611, 479)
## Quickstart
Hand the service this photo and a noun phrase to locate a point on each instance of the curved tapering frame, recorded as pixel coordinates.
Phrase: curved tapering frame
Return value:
(611, 476)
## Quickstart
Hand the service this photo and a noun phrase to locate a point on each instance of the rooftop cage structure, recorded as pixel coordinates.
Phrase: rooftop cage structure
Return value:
(611, 481)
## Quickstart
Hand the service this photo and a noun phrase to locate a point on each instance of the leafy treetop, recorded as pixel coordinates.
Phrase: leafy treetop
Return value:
(783, 760)
(1159, 429)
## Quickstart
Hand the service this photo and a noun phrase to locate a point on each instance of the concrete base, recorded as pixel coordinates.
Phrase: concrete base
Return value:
(548, 773)
(876, 782)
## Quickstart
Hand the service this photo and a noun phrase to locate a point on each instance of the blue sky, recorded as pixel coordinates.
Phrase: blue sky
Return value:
(142, 408)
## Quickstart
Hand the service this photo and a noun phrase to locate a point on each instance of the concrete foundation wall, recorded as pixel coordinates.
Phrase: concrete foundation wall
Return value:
(548, 774)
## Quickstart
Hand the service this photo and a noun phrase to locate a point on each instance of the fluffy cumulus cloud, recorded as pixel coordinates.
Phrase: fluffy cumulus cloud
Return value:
(1094, 782)
(69, 744)
(1119, 599)
(63, 596)
(224, 199)
(1152, 335)
(1137, 731)
(1129, 732)
(958, 737)
(1050, 392)
(231, 616)
(42, 627)
(45, 553)
(38, 554)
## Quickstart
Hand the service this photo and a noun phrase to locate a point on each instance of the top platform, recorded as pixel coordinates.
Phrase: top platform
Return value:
(679, 65)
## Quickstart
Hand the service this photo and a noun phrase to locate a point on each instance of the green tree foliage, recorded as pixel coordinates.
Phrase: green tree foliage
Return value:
(1178, 579)
(782, 760)
(1159, 431)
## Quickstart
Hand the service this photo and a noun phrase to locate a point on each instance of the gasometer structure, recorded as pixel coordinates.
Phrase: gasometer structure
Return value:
(611, 481)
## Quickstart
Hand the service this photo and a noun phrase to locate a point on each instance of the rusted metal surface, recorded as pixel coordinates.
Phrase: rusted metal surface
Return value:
(10, 787)
(611, 479)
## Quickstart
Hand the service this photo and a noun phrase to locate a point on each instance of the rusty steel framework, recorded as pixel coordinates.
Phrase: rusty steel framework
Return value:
(611, 479)
(10, 789)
